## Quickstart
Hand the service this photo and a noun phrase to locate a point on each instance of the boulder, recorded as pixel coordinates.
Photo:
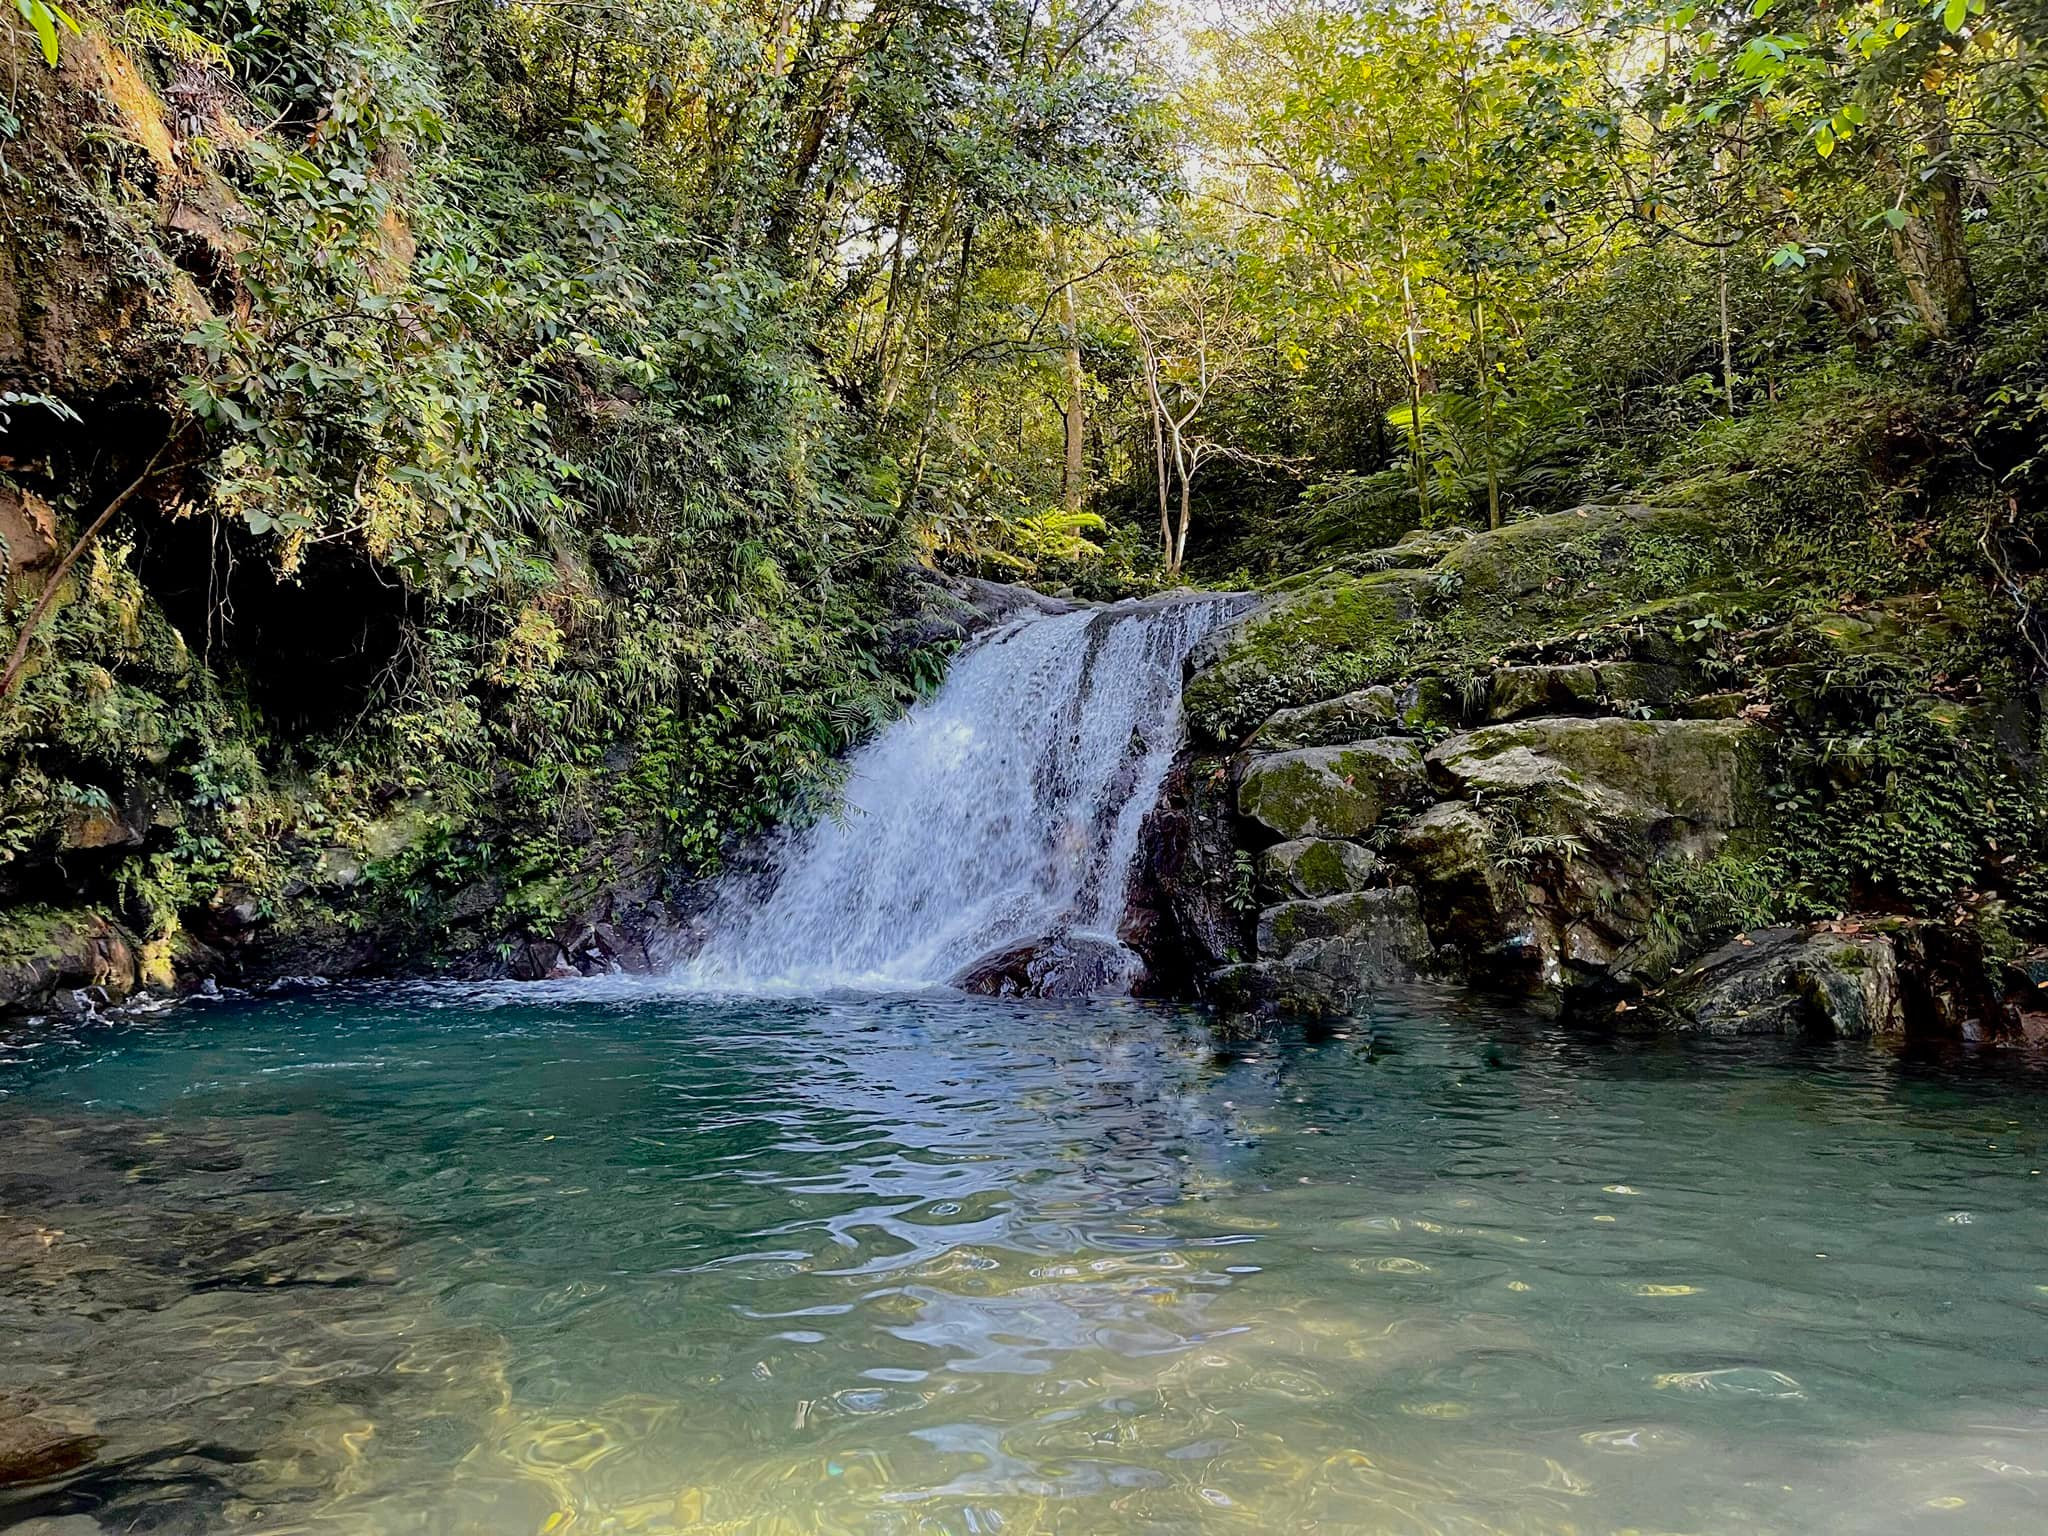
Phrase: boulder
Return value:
(1586, 687)
(1331, 791)
(1539, 876)
(1308, 642)
(1552, 563)
(1263, 988)
(48, 955)
(1317, 958)
(1308, 867)
(1285, 927)
(539, 960)
(1700, 771)
(1348, 717)
(1791, 981)
(1468, 899)
(1056, 965)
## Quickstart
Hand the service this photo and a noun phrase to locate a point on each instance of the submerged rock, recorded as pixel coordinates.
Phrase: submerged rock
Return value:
(33, 1449)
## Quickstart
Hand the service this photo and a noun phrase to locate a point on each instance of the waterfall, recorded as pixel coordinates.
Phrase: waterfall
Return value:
(991, 831)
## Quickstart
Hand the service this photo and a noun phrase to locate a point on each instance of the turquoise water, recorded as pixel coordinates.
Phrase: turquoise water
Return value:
(603, 1259)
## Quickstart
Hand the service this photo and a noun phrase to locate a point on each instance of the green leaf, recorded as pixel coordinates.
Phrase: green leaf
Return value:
(1953, 14)
(45, 24)
(1824, 141)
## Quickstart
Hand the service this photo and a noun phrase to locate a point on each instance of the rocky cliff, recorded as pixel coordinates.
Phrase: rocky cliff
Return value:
(1568, 760)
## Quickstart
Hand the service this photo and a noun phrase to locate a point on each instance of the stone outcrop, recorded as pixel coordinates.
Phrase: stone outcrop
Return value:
(1791, 981)
(1644, 771)
(119, 235)
(1485, 756)
(1348, 717)
(58, 961)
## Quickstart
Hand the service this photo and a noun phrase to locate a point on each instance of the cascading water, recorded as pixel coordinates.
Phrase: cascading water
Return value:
(999, 818)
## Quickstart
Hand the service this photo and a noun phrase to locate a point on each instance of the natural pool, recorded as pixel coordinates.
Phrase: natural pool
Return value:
(603, 1258)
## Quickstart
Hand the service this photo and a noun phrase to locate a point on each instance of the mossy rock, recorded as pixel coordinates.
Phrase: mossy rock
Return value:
(1568, 556)
(1706, 771)
(1335, 634)
(1469, 901)
(1331, 791)
(1558, 575)
(1348, 717)
(1586, 688)
(1309, 867)
(46, 952)
(1355, 939)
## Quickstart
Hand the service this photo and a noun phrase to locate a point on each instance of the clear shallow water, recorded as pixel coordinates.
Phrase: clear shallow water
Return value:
(583, 1260)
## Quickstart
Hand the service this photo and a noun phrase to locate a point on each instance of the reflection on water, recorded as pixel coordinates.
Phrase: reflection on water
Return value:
(577, 1260)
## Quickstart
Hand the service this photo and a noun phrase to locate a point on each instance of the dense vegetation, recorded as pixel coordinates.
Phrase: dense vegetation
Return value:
(563, 392)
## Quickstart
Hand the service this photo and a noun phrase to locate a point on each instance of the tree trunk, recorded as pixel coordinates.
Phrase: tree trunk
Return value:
(1409, 328)
(1931, 248)
(1074, 476)
(1486, 411)
(1158, 410)
(1727, 339)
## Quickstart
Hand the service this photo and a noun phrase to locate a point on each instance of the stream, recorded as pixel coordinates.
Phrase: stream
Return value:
(619, 1257)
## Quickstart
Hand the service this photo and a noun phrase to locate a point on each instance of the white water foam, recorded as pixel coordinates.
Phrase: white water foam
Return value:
(1004, 810)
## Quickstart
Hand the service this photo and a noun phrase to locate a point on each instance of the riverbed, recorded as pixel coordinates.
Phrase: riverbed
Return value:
(604, 1257)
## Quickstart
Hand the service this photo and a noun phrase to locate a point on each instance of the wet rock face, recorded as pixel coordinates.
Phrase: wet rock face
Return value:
(1182, 912)
(1058, 965)
(1791, 981)
(54, 961)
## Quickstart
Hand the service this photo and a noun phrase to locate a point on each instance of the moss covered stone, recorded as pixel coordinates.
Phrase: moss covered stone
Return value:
(1337, 633)
(1706, 771)
(47, 952)
(1331, 791)
(1624, 687)
(1359, 937)
(1348, 717)
(1589, 551)
(1308, 867)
